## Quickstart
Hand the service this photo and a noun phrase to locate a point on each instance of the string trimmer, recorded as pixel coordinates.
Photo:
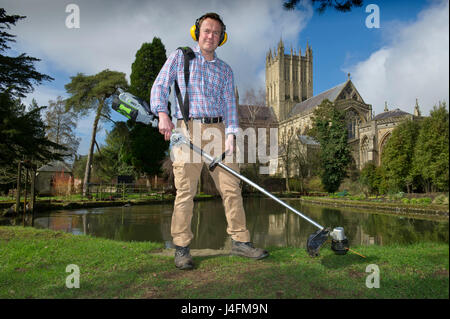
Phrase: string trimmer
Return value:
(138, 110)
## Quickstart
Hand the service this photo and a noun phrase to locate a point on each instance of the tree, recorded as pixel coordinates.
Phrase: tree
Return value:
(17, 73)
(91, 93)
(148, 62)
(141, 151)
(79, 166)
(370, 178)
(340, 6)
(111, 162)
(304, 161)
(60, 126)
(253, 102)
(22, 134)
(330, 130)
(397, 156)
(150, 58)
(252, 98)
(286, 147)
(431, 155)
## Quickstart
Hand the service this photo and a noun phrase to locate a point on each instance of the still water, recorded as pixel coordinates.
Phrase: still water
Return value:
(269, 224)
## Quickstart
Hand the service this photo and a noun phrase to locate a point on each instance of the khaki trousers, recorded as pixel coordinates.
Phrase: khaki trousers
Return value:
(187, 166)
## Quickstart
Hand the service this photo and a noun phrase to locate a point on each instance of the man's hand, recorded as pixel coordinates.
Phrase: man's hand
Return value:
(165, 125)
(229, 144)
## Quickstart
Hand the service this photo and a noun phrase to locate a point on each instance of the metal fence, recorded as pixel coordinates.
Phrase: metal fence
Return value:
(123, 191)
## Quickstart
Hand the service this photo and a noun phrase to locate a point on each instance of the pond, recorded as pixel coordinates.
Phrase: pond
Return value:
(269, 224)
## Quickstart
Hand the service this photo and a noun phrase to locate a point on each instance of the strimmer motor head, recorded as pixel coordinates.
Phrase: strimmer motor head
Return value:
(339, 243)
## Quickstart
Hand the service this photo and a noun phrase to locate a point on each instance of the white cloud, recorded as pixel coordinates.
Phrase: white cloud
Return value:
(414, 64)
(109, 35)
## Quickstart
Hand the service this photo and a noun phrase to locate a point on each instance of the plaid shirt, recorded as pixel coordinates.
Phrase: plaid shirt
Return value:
(210, 89)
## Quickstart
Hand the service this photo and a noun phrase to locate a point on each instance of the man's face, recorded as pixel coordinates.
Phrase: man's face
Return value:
(209, 37)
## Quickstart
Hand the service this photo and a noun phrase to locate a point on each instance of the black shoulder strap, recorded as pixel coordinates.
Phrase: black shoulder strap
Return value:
(184, 106)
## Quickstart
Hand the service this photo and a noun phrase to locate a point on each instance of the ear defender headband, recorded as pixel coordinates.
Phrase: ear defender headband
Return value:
(195, 31)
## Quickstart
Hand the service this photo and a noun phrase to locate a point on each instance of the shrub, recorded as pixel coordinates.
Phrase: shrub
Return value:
(314, 184)
(395, 196)
(358, 197)
(424, 200)
(370, 178)
(441, 199)
(295, 185)
(353, 187)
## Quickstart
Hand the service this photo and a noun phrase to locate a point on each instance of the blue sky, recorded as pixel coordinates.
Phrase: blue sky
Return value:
(406, 58)
(340, 40)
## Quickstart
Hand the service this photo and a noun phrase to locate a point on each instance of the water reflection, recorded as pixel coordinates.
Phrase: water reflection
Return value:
(269, 223)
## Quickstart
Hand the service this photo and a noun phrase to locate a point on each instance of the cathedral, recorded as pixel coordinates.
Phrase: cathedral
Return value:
(290, 104)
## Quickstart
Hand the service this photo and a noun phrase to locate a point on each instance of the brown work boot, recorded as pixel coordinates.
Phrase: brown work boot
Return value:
(183, 258)
(247, 250)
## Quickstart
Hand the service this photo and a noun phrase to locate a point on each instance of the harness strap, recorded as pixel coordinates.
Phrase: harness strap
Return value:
(184, 106)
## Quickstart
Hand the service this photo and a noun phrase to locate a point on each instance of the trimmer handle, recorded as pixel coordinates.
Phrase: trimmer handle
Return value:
(213, 164)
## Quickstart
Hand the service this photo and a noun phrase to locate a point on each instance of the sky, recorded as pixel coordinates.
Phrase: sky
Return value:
(403, 58)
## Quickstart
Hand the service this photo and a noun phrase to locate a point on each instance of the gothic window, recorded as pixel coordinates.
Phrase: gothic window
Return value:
(383, 143)
(352, 121)
(350, 130)
(364, 151)
(355, 97)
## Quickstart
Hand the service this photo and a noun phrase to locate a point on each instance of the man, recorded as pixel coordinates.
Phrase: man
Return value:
(212, 106)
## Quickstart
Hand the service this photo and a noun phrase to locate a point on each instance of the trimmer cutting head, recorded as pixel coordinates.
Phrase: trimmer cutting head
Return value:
(339, 243)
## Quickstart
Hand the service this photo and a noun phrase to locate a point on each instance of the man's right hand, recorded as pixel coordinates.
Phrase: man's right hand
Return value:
(165, 125)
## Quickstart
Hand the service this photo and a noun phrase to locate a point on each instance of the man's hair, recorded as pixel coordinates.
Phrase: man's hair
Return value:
(213, 16)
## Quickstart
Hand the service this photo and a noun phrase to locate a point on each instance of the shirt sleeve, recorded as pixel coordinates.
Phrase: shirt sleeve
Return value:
(159, 95)
(230, 109)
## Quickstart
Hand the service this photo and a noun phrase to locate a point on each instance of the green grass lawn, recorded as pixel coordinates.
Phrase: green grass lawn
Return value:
(33, 265)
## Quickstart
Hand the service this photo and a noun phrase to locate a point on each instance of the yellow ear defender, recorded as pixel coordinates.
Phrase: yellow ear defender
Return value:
(195, 32)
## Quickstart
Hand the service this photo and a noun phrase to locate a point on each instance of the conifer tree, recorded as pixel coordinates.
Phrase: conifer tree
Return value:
(22, 132)
(149, 60)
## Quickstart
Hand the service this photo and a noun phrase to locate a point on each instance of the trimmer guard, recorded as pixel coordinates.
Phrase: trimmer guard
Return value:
(316, 240)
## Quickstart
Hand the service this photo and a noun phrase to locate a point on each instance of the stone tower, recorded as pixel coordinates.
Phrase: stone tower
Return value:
(289, 79)
(416, 109)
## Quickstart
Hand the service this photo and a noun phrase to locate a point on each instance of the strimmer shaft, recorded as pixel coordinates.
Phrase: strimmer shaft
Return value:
(262, 190)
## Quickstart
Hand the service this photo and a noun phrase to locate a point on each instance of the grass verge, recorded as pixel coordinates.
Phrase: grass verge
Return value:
(33, 265)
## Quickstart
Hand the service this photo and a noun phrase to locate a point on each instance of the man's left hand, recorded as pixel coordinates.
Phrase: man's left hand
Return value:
(229, 144)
